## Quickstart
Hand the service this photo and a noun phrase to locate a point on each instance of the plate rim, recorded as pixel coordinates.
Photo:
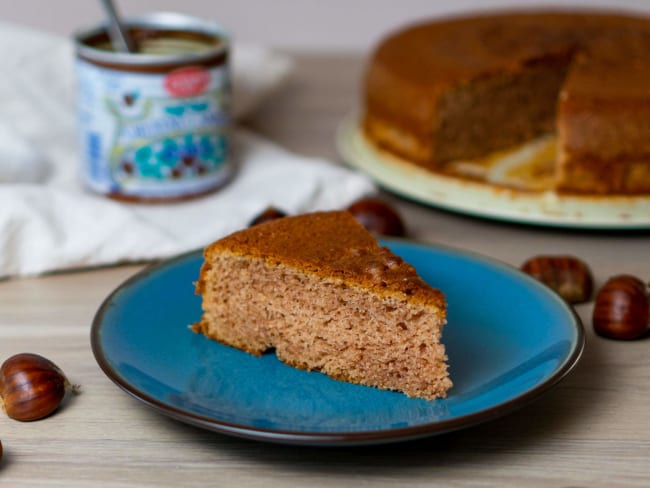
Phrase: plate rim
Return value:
(339, 438)
(348, 131)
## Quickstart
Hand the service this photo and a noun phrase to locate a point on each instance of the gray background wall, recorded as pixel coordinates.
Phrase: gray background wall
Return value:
(324, 25)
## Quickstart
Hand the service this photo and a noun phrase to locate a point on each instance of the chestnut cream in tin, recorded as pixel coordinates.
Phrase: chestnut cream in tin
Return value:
(154, 125)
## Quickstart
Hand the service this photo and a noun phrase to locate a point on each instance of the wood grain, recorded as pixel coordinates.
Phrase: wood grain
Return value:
(592, 430)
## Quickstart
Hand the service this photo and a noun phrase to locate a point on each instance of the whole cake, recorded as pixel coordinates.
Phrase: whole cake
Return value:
(463, 88)
(320, 290)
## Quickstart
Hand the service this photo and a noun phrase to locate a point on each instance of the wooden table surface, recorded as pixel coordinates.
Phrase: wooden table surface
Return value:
(591, 430)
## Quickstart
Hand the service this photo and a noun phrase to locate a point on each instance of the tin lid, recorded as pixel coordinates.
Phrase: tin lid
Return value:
(211, 40)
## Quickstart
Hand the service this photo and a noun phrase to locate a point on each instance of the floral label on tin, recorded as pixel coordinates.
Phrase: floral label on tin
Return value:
(151, 134)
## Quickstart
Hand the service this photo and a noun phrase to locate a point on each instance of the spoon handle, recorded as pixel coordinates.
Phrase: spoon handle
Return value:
(120, 38)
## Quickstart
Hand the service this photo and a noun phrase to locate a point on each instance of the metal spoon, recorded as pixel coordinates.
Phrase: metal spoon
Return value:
(120, 37)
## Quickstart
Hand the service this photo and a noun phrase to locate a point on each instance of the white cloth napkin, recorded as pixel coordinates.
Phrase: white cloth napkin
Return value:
(49, 222)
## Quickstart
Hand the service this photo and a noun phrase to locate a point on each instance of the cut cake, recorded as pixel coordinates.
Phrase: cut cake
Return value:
(322, 292)
(462, 88)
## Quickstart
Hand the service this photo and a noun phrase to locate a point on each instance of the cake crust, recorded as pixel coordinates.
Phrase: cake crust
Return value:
(328, 245)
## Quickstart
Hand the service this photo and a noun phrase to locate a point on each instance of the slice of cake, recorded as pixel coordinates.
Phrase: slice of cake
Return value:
(320, 290)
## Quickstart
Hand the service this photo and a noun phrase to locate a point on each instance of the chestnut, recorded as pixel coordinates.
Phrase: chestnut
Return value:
(622, 310)
(31, 386)
(378, 217)
(271, 213)
(569, 276)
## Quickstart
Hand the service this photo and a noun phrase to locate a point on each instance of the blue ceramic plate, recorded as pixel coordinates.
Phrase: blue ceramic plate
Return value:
(509, 339)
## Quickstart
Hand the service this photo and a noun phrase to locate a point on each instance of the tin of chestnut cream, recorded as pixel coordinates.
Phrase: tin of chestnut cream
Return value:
(154, 125)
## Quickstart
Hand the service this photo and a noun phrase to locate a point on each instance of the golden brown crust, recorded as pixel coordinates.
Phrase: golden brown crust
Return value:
(330, 245)
(418, 75)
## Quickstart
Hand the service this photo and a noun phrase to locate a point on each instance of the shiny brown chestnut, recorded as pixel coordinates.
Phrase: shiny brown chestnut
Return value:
(271, 213)
(31, 386)
(622, 310)
(569, 276)
(378, 217)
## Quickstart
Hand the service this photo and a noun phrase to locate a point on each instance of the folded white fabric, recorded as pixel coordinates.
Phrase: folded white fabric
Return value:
(48, 222)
